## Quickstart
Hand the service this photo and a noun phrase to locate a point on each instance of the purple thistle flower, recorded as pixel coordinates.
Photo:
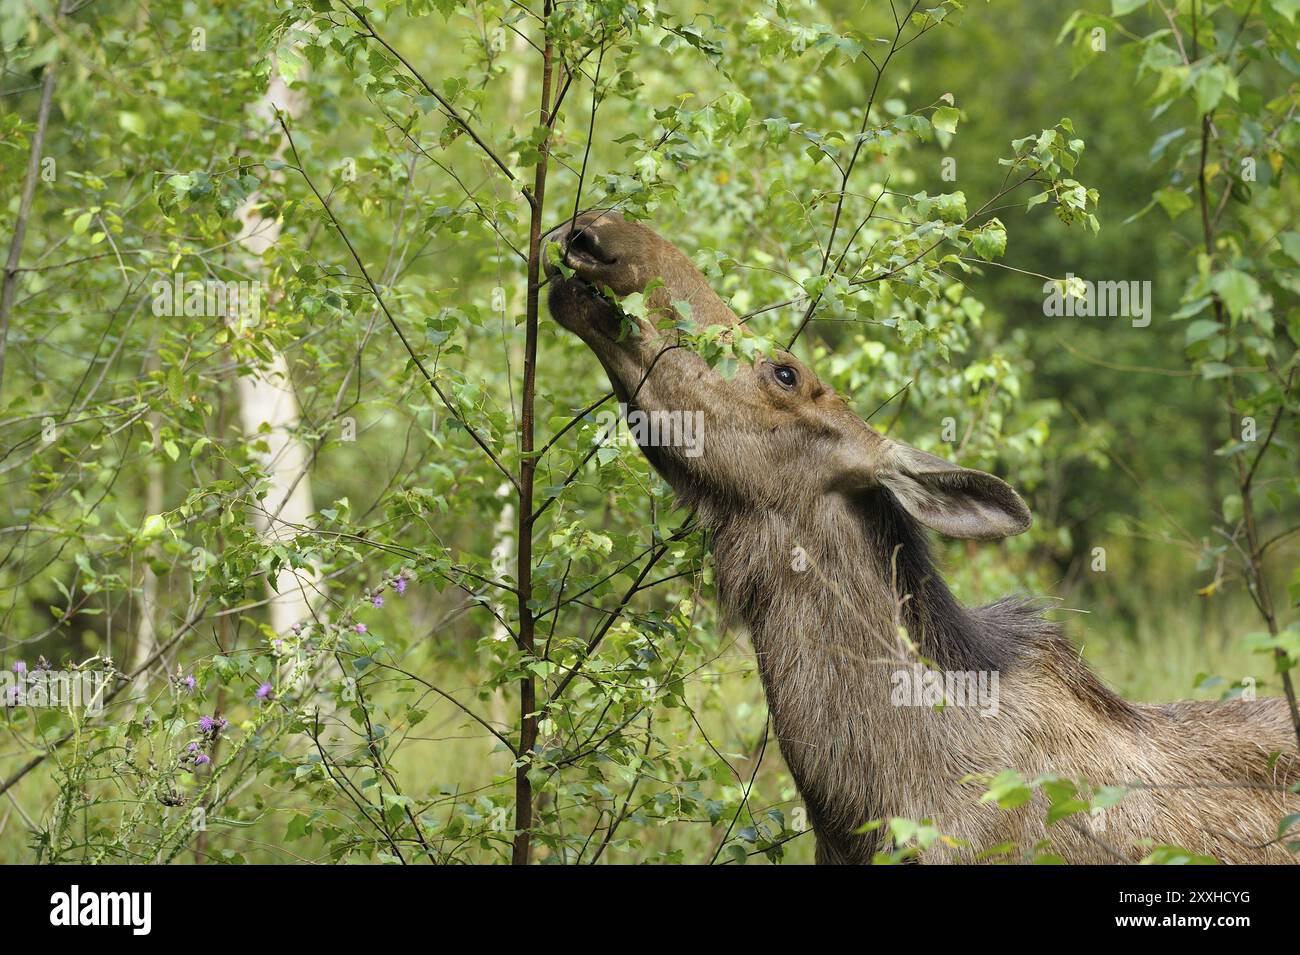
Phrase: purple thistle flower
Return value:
(377, 601)
(20, 667)
(360, 628)
(222, 723)
(400, 585)
(193, 748)
(207, 724)
(190, 682)
(296, 628)
(201, 759)
(264, 691)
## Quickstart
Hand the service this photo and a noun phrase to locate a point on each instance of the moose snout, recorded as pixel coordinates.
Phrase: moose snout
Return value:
(581, 248)
(575, 301)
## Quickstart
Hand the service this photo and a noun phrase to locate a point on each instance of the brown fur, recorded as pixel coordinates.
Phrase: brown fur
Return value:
(786, 468)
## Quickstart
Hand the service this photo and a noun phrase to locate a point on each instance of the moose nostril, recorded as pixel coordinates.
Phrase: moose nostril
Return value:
(585, 243)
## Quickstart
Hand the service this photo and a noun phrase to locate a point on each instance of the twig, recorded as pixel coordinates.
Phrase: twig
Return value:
(744, 798)
(10, 286)
(442, 100)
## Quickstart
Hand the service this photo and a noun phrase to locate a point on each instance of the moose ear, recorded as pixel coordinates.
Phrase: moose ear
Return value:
(955, 501)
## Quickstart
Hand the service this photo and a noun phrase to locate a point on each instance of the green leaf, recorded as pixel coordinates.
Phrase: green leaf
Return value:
(945, 119)
(1237, 290)
(1008, 790)
(1288, 8)
(1064, 808)
(155, 525)
(298, 828)
(991, 240)
(1108, 796)
(1212, 83)
(1202, 329)
(1174, 201)
(131, 122)
(1290, 241)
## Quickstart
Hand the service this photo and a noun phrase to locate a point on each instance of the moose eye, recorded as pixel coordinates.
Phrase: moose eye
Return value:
(786, 375)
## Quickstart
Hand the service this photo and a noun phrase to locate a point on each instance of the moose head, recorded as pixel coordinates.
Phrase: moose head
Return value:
(774, 435)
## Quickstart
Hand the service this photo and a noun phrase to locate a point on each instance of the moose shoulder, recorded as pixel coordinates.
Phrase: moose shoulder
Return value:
(816, 524)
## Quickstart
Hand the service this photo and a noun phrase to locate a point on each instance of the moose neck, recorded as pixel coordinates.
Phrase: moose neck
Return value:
(856, 567)
(826, 591)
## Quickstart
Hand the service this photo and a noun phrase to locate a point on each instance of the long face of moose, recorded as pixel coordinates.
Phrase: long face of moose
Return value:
(771, 435)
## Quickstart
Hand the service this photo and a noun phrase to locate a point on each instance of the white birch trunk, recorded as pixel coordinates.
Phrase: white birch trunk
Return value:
(267, 398)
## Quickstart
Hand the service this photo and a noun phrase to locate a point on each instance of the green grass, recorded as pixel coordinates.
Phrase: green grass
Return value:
(1158, 654)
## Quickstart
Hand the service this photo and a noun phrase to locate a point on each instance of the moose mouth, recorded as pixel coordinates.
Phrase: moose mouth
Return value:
(578, 306)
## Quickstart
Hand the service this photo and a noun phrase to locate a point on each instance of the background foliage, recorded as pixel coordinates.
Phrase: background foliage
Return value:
(896, 186)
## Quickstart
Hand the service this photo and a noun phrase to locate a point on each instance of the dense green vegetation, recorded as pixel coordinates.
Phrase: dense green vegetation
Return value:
(496, 638)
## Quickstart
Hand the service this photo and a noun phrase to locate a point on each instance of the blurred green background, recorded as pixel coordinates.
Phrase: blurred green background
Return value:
(1102, 426)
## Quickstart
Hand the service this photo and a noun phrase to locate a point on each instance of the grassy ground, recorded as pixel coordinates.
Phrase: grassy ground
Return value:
(1158, 654)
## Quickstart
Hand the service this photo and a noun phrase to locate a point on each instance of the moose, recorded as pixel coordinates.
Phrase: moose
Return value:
(788, 468)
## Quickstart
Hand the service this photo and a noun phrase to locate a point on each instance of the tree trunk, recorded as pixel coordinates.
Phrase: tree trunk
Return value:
(9, 287)
(266, 398)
